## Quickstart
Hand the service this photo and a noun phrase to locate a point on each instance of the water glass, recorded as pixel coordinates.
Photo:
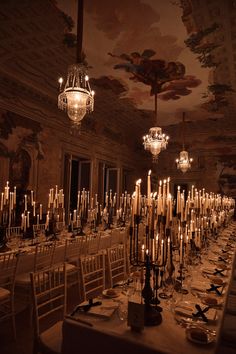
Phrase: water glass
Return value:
(123, 310)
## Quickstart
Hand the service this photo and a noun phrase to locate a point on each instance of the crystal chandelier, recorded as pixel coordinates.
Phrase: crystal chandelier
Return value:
(155, 141)
(183, 162)
(77, 98)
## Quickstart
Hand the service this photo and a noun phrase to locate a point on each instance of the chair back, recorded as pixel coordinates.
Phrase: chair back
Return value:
(92, 269)
(105, 242)
(48, 295)
(74, 248)
(60, 225)
(44, 254)
(13, 231)
(93, 242)
(115, 237)
(38, 228)
(8, 268)
(116, 264)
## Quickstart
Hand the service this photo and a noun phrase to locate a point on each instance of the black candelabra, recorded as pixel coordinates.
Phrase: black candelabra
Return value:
(151, 263)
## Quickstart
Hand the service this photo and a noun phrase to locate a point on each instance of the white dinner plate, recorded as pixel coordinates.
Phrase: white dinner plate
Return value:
(112, 295)
(199, 335)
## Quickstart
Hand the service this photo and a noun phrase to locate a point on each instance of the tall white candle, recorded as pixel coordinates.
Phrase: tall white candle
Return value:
(157, 247)
(137, 196)
(192, 193)
(143, 253)
(162, 252)
(74, 216)
(40, 212)
(14, 201)
(168, 186)
(28, 222)
(168, 250)
(33, 208)
(7, 190)
(25, 202)
(187, 244)
(178, 201)
(149, 188)
(153, 250)
(181, 249)
(2, 197)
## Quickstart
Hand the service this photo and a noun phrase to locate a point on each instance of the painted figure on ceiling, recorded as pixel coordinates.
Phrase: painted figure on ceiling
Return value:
(152, 72)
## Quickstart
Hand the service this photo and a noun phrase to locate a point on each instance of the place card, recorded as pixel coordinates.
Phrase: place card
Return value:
(136, 316)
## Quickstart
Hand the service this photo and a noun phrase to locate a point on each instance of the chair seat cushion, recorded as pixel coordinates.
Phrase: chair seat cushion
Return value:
(23, 278)
(70, 267)
(51, 339)
(4, 293)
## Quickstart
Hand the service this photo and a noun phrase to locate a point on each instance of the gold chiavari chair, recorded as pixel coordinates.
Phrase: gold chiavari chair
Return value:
(8, 267)
(93, 242)
(93, 275)
(74, 248)
(43, 259)
(116, 264)
(49, 305)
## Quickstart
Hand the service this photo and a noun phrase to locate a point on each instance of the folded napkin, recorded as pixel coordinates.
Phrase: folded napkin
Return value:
(196, 311)
(105, 310)
(184, 310)
(213, 258)
(215, 271)
(199, 286)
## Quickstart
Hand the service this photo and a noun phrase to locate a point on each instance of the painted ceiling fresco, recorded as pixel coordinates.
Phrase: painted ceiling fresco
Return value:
(142, 44)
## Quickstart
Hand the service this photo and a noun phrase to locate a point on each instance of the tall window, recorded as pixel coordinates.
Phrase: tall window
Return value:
(108, 179)
(76, 177)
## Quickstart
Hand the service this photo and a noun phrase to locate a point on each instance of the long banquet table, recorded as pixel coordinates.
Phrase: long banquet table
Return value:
(96, 334)
(26, 260)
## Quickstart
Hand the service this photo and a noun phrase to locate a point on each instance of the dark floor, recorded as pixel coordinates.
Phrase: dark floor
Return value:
(24, 331)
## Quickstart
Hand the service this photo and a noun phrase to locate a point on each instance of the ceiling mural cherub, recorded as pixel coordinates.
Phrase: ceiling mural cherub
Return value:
(160, 75)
